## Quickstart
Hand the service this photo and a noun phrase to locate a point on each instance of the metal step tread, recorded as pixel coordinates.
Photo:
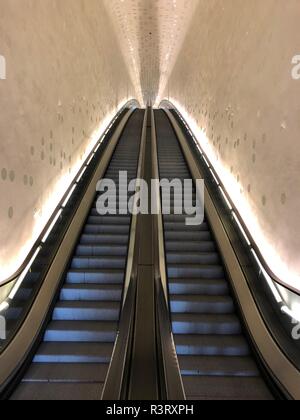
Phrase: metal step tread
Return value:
(211, 345)
(206, 325)
(91, 293)
(97, 326)
(66, 352)
(101, 250)
(225, 388)
(198, 287)
(218, 366)
(77, 372)
(75, 304)
(56, 392)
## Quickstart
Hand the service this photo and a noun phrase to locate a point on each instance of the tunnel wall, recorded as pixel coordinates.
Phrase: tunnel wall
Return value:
(235, 84)
(65, 79)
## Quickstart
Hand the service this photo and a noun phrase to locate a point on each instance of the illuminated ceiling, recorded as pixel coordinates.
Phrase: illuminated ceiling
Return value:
(150, 33)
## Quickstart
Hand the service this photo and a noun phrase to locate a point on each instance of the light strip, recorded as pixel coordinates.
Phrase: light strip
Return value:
(270, 282)
(69, 196)
(90, 159)
(241, 228)
(214, 176)
(51, 226)
(81, 174)
(23, 275)
(98, 145)
(206, 161)
(199, 148)
(225, 198)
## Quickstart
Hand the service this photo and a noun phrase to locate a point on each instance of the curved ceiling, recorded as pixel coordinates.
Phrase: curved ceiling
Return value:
(150, 33)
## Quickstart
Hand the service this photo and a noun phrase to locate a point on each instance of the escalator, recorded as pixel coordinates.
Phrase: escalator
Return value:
(73, 359)
(106, 333)
(215, 357)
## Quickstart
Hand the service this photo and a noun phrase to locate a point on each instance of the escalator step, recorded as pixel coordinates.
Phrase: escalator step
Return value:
(86, 311)
(68, 352)
(95, 218)
(179, 226)
(89, 239)
(198, 287)
(205, 258)
(81, 331)
(95, 276)
(70, 373)
(58, 391)
(90, 292)
(218, 366)
(101, 250)
(201, 304)
(225, 388)
(90, 263)
(211, 345)
(206, 324)
(106, 229)
(196, 271)
(188, 236)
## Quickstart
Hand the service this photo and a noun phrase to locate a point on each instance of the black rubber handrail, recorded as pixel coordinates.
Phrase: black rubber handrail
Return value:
(253, 245)
(38, 243)
(117, 380)
(172, 387)
(115, 388)
(170, 377)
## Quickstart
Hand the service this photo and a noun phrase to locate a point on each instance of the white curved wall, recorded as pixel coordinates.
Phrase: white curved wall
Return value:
(65, 79)
(233, 83)
(66, 76)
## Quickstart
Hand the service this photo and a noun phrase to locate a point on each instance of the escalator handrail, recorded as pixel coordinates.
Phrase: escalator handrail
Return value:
(133, 229)
(160, 266)
(115, 387)
(171, 379)
(38, 243)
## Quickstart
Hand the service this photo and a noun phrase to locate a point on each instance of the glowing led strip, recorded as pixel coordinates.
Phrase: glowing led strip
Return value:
(51, 226)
